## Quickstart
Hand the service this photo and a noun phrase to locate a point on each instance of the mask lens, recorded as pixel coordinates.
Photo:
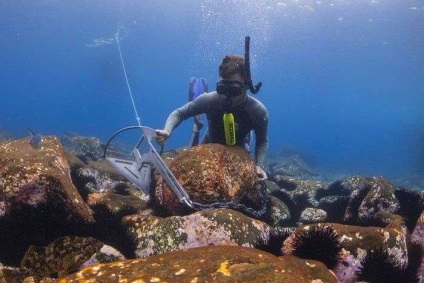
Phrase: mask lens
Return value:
(230, 89)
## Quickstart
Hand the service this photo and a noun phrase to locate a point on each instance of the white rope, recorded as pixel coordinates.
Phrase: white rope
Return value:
(126, 79)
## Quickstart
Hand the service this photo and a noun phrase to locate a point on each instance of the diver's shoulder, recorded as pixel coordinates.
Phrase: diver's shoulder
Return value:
(254, 102)
(208, 95)
(205, 100)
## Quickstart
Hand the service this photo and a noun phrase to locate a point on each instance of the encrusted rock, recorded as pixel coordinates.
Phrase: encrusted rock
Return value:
(156, 235)
(210, 173)
(417, 238)
(100, 177)
(298, 194)
(359, 187)
(368, 197)
(302, 190)
(103, 255)
(380, 198)
(356, 241)
(86, 148)
(209, 264)
(292, 165)
(313, 215)
(116, 204)
(418, 233)
(90, 179)
(334, 206)
(36, 189)
(60, 258)
(31, 177)
(411, 205)
(278, 213)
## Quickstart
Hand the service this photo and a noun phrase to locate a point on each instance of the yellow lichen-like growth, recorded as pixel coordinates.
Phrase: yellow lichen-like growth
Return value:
(224, 268)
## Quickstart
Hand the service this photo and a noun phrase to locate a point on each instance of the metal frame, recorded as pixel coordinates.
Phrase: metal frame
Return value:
(137, 166)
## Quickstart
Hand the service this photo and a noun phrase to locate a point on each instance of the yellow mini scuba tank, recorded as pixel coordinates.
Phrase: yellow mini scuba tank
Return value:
(229, 128)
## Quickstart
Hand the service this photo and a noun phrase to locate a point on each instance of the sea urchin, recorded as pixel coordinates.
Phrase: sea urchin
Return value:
(318, 243)
(378, 266)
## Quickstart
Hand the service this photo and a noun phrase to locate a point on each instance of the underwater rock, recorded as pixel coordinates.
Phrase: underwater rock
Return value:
(418, 233)
(9, 274)
(36, 189)
(369, 196)
(155, 235)
(210, 173)
(357, 241)
(104, 255)
(91, 180)
(209, 264)
(86, 148)
(380, 198)
(5, 136)
(334, 200)
(312, 215)
(284, 182)
(411, 205)
(32, 177)
(292, 166)
(334, 206)
(301, 189)
(358, 187)
(271, 187)
(107, 203)
(298, 194)
(99, 177)
(346, 270)
(109, 208)
(278, 213)
(61, 257)
(369, 199)
(417, 238)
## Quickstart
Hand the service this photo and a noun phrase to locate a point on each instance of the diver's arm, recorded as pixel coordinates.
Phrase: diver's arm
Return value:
(259, 116)
(175, 118)
(195, 107)
(261, 135)
(190, 109)
(261, 146)
(162, 136)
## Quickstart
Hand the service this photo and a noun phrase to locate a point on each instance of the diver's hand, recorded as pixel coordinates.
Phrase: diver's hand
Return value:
(162, 136)
(261, 173)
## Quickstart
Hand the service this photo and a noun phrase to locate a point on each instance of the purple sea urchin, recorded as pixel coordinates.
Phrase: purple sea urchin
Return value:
(318, 243)
(378, 266)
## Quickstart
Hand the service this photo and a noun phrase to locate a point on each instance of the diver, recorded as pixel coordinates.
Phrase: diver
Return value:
(230, 111)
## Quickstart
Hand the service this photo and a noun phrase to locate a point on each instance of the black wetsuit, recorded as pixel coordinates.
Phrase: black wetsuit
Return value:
(250, 115)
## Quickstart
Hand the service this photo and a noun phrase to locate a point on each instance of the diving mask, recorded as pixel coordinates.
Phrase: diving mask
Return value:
(230, 88)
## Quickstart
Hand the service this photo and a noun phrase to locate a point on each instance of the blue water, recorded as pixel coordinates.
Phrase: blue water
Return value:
(343, 80)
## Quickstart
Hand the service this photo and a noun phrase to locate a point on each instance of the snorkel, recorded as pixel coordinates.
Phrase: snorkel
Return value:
(232, 90)
(253, 89)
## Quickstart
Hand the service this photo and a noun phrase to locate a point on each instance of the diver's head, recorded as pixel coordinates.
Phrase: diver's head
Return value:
(232, 79)
(231, 65)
